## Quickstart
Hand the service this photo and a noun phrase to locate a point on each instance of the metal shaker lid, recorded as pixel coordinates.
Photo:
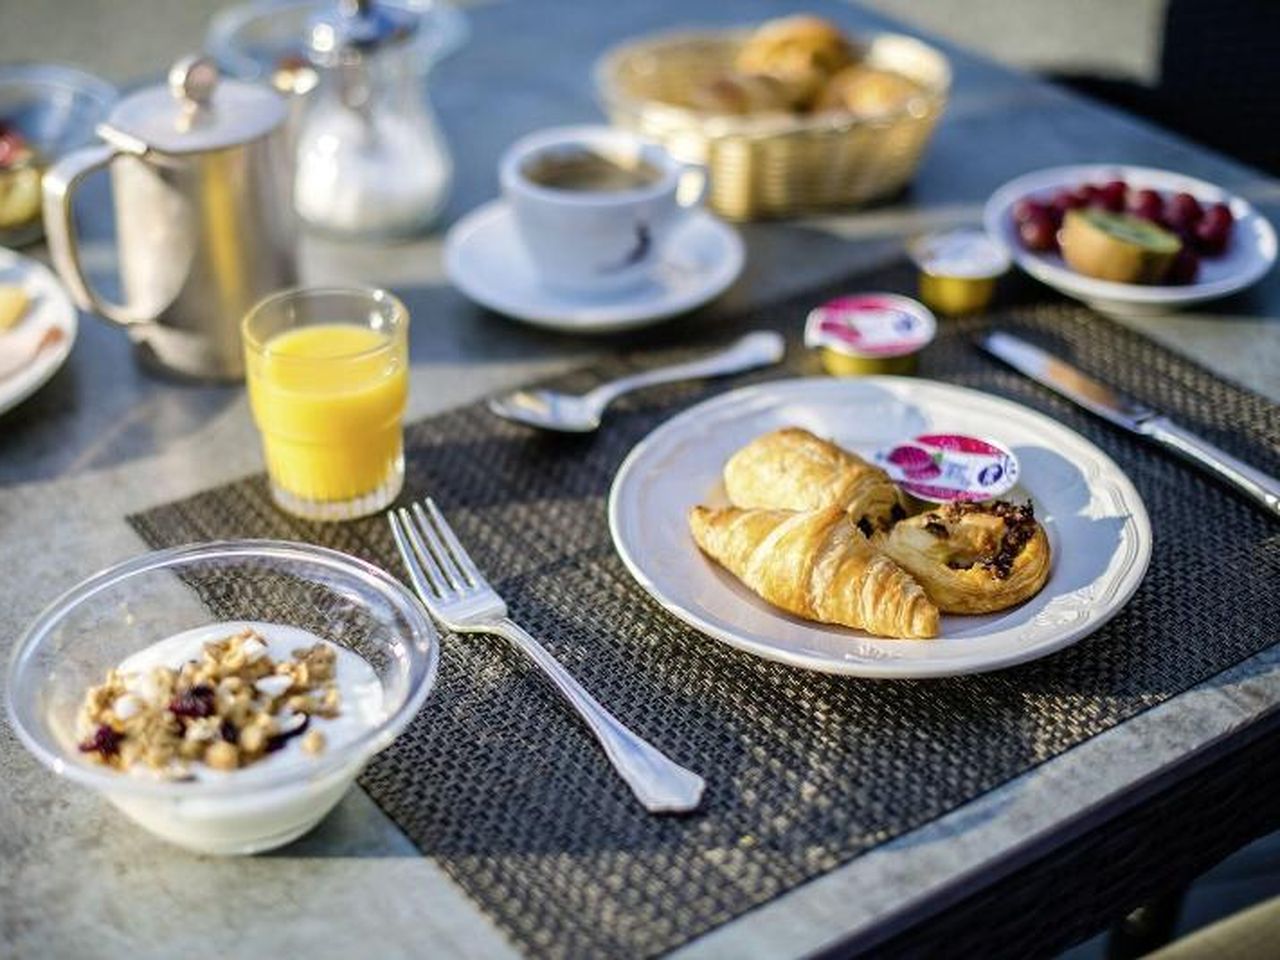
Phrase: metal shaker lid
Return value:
(359, 28)
(197, 111)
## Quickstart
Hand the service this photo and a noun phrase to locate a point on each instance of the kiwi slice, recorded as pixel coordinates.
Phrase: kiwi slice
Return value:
(1116, 246)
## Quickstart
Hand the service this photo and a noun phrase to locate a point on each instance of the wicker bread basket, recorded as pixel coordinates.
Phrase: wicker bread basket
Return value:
(773, 166)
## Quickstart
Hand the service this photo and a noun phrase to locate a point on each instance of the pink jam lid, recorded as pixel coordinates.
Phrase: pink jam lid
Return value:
(871, 325)
(945, 467)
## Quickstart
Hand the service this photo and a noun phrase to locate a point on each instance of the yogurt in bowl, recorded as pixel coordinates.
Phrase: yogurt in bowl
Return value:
(223, 696)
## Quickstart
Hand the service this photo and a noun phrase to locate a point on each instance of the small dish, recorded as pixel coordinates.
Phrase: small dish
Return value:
(55, 109)
(869, 333)
(958, 269)
(50, 310)
(1251, 254)
(1095, 520)
(486, 261)
(127, 608)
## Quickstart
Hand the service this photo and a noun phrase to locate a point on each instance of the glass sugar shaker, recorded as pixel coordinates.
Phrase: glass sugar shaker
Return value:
(371, 162)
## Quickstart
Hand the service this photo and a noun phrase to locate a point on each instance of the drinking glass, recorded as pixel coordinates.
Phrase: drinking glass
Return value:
(327, 370)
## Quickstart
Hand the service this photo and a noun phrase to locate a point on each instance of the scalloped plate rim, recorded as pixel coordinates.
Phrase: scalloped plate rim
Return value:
(1061, 620)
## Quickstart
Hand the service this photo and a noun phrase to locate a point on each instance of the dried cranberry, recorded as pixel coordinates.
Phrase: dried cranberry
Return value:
(277, 741)
(229, 732)
(196, 701)
(104, 741)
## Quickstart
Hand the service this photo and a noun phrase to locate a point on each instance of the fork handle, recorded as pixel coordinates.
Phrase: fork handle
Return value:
(661, 784)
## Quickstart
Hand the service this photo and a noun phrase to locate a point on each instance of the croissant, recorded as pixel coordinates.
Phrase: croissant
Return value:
(792, 469)
(816, 565)
(972, 557)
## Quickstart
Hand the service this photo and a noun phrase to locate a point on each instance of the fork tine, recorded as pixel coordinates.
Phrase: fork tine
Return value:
(466, 565)
(423, 570)
(440, 549)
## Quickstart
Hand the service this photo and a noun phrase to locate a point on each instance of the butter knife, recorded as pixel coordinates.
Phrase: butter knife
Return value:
(1123, 411)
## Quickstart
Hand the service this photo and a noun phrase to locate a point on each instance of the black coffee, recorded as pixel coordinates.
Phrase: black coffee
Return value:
(582, 169)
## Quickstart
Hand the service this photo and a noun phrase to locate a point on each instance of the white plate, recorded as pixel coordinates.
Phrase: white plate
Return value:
(484, 259)
(1247, 259)
(50, 307)
(1096, 523)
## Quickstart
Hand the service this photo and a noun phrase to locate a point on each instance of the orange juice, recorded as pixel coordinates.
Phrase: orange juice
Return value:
(329, 398)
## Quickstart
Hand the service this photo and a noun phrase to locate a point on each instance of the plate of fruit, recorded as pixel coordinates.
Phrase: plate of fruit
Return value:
(1130, 239)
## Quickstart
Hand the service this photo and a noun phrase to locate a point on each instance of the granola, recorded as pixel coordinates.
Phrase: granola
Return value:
(228, 709)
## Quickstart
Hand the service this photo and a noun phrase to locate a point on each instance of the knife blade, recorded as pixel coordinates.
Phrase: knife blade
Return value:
(1123, 411)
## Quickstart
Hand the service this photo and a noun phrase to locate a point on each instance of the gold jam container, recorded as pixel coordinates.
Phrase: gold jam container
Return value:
(958, 269)
(869, 333)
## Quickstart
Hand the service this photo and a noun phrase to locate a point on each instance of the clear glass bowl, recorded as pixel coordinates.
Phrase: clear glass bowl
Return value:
(128, 607)
(56, 109)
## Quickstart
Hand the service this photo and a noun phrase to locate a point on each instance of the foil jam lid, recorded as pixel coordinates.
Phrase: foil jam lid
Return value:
(871, 325)
(947, 467)
(966, 253)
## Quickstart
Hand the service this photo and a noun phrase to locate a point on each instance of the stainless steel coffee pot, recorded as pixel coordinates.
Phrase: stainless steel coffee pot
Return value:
(202, 181)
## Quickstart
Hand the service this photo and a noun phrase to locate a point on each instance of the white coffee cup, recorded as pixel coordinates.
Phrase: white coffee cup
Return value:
(601, 240)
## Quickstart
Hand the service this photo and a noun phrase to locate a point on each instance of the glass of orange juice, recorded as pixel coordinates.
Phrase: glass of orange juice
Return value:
(328, 375)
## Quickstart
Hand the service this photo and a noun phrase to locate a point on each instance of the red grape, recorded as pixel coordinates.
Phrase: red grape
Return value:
(1220, 215)
(1112, 195)
(1026, 208)
(1065, 200)
(1147, 204)
(1184, 268)
(1183, 210)
(1212, 235)
(1038, 232)
(1090, 194)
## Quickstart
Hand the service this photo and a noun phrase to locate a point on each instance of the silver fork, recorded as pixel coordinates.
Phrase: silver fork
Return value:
(456, 594)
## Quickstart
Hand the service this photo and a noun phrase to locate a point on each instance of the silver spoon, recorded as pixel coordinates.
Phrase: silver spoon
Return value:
(549, 410)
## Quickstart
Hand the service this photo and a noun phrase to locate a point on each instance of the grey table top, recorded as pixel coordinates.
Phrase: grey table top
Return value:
(104, 439)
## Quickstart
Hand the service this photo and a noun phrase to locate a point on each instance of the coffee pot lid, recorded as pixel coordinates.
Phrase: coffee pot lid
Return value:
(197, 111)
(356, 28)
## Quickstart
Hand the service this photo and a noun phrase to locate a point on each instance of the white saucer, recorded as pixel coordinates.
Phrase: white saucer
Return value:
(485, 260)
(50, 309)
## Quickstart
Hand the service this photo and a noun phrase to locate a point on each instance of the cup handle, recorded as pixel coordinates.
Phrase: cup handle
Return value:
(692, 186)
(59, 183)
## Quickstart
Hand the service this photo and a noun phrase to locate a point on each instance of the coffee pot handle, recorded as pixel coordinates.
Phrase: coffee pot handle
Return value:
(60, 183)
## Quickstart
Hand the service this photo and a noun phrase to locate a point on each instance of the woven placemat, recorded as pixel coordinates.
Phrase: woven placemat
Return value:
(497, 782)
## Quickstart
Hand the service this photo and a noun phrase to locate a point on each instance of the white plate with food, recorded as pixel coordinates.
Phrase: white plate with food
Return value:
(1194, 242)
(37, 327)
(1074, 565)
(485, 259)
